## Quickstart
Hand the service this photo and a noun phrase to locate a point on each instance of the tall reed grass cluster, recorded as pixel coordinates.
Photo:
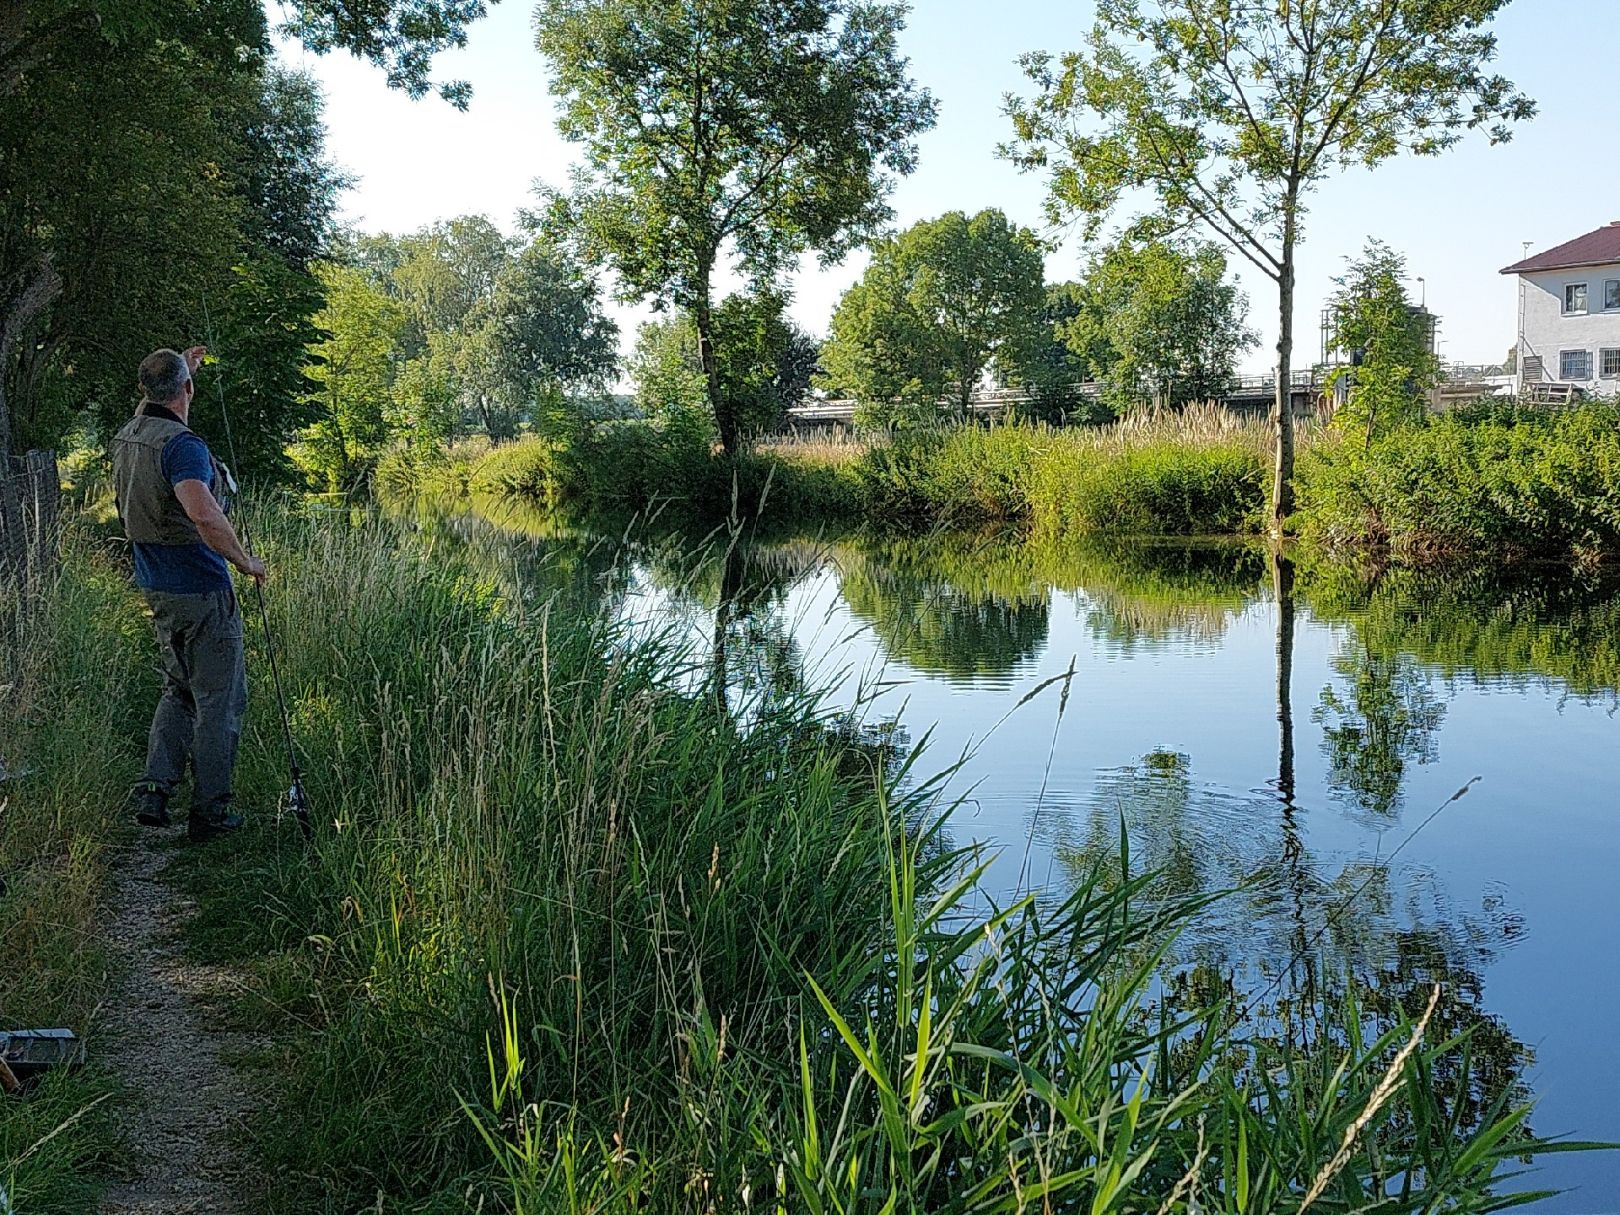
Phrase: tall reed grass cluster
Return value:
(570, 938)
(1202, 471)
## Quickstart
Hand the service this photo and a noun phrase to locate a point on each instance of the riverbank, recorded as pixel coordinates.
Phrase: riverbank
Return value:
(576, 931)
(1498, 484)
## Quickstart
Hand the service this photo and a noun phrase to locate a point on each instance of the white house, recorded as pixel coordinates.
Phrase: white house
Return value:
(1569, 317)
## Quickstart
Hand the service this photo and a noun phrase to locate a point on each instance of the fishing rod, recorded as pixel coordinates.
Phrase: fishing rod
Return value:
(297, 799)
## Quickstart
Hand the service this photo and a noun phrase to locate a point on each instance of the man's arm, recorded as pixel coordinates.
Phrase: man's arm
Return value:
(216, 530)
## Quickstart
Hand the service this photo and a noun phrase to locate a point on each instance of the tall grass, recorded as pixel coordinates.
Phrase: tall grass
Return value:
(73, 701)
(520, 809)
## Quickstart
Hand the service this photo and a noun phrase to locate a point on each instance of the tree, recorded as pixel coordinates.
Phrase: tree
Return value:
(441, 274)
(353, 372)
(196, 194)
(1159, 321)
(1054, 369)
(667, 372)
(938, 306)
(756, 130)
(1389, 341)
(137, 135)
(425, 405)
(765, 361)
(1229, 115)
(545, 324)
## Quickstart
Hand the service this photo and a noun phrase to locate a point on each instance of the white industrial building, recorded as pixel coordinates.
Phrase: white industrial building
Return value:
(1569, 318)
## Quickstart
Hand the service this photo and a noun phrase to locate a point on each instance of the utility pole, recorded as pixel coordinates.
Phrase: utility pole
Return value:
(1518, 344)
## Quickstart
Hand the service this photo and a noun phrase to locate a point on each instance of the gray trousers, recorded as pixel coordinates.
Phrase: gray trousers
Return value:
(199, 717)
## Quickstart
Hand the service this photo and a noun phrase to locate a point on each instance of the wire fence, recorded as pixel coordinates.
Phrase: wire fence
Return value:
(30, 512)
(30, 519)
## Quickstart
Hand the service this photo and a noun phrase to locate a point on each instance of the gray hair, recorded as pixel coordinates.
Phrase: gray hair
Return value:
(163, 375)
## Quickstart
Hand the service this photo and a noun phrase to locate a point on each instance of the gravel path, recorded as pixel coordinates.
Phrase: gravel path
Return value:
(162, 1036)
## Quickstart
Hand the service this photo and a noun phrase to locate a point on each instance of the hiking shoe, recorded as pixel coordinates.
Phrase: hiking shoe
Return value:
(204, 825)
(151, 806)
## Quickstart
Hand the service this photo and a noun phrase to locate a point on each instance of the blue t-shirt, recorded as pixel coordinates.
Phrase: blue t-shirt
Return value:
(183, 569)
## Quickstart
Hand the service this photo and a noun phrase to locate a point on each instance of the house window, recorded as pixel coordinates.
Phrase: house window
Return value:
(1611, 295)
(1574, 298)
(1575, 365)
(1609, 364)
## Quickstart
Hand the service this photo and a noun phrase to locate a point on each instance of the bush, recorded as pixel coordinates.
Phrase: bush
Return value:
(1506, 482)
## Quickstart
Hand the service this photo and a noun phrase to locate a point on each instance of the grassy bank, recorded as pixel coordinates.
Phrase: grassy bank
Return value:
(1501, 483)
(73, 698)
(570, 938)
(1196, 473)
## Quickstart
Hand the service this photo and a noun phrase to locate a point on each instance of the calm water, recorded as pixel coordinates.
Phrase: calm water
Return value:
(1248, 722)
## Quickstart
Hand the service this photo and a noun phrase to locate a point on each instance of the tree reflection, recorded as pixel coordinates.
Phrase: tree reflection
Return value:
(941, 629)
(1296, 934)
(1387, 717)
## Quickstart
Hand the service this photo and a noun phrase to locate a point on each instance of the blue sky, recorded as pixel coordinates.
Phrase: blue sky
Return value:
(1458, 218)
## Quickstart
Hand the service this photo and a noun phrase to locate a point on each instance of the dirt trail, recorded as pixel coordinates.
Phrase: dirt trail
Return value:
(163, 1038)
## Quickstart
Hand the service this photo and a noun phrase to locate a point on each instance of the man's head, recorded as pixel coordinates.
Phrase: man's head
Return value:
(165, 378)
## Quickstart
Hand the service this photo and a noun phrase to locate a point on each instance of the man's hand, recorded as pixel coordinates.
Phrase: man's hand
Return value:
(253, 568)
(194, 358)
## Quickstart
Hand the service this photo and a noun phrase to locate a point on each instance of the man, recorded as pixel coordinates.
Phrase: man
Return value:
(170, 493)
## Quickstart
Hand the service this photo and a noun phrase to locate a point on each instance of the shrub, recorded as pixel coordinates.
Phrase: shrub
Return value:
(1510, 482)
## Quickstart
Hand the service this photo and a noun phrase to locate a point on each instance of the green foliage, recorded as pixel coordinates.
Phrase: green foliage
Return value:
(441, 274)
(352, 369)
(667, 372)
(939, 305)
(1513, 485)
(197, 154)
(425, 407)
(399, 36)
(763, 362)
(1162, 487)
(762, 128)
(1230, 115)
(543, 326)
(1390, 343)
(1158, 322)
(1055, 367)
(502, 328)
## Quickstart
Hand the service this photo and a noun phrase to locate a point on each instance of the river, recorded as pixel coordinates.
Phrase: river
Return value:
(1303, 733)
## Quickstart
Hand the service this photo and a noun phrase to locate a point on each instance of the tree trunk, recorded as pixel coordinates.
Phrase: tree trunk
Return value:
(1282, 486)
(29, 293)
(725, 420)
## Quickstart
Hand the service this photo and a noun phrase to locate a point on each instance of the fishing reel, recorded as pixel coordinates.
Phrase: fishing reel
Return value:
(298, 806)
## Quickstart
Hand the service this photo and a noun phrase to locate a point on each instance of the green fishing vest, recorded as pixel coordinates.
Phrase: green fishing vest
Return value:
(146, 501)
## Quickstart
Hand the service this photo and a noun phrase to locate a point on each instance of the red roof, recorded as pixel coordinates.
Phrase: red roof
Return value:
(1600, 248)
